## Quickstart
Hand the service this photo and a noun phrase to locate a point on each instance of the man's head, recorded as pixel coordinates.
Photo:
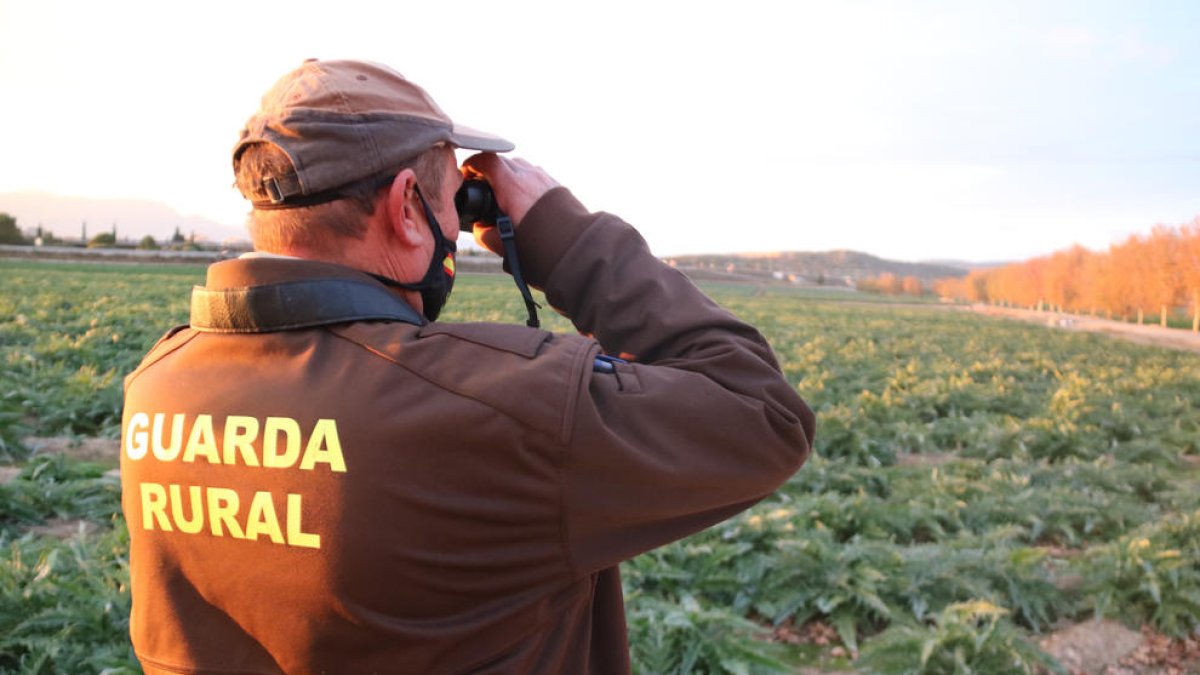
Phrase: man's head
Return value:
(317, 156)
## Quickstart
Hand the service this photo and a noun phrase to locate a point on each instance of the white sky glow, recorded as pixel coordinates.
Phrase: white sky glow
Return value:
(917, 130)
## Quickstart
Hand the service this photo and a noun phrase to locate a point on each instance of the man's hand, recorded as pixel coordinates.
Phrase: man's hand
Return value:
(517, 185)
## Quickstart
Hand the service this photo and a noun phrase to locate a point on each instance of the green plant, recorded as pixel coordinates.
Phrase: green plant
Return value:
(965, 638)
(937, 576)
(64, 606)
(958, 460)
(51, 487)
(686, 637)
(1150, 575)
(840, 584)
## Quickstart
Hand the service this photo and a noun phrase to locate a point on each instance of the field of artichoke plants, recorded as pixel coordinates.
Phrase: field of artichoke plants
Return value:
(976, 484)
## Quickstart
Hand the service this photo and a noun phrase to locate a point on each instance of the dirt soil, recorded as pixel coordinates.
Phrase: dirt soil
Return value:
(925, 458)
(8, 474)
(101, 450)
(92, 449)
(1109, 648)
(1172, 338)
(61, 528)
(1091, 647)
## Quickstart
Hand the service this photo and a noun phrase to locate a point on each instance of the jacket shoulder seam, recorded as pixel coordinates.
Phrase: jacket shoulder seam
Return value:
(580, 377)
(161, 350)
(513, 340)
(434, 382)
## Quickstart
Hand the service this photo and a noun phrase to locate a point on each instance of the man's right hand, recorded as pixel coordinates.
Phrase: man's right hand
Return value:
(517, 185)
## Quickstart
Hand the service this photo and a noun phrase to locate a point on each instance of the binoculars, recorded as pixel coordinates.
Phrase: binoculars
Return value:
(476, 203)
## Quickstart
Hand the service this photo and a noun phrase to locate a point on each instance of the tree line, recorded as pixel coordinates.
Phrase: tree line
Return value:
(892, 284)
(11, 234)
(1145, 275)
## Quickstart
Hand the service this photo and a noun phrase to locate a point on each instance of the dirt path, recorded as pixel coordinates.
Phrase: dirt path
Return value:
(1155, 335)
(1173, 338)
(100, 450)
(103, 450)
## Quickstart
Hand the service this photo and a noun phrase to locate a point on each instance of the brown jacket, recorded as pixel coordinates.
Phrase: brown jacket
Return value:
(312, 494)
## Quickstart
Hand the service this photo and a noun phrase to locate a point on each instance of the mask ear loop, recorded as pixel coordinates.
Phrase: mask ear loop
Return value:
(436, 264)
(439, 243)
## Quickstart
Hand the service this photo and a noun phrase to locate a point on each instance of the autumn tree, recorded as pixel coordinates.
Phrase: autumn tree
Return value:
(1189, 266)
(1157, 273)
(1061, 278)
(1125, 269)
(1101, 287)
(950, 288)
(976, 286)
(1164, 278)
(886, 283)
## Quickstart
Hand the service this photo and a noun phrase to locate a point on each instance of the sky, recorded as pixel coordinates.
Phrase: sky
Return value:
(915, 130)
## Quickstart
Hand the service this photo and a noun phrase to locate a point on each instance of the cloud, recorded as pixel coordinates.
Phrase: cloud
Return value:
(1134, 48)
(1071, 41)
(1079, 42)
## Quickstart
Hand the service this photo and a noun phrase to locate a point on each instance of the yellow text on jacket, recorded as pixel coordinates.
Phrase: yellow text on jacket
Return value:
(272, 442)
(192, 508)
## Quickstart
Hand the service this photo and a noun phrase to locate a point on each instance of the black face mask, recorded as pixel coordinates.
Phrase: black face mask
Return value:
(438, 281)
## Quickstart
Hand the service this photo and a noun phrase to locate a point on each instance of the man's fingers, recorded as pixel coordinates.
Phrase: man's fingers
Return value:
(488, 238)
(517, 183)
(483, 163)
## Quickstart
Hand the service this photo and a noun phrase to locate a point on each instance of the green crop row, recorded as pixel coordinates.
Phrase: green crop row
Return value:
(976, 482)
(64, 604)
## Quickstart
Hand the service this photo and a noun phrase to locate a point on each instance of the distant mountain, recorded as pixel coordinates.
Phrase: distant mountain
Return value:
(987, 265)
(134, 218)
(829, 267)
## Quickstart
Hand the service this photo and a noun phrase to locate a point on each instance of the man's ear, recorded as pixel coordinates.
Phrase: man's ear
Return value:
(405, 215)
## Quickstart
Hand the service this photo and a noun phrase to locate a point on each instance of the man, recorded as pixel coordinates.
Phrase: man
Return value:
(320, 478)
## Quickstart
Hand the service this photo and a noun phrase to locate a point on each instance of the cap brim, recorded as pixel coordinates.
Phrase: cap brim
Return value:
(473, 139)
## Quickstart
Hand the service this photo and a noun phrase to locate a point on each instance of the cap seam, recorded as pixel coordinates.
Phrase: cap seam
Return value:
(373, 148)
(365, 141)
(316, 114)
(324, 84)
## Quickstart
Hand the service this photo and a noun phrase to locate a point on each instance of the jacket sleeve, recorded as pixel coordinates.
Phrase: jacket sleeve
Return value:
(700, 425)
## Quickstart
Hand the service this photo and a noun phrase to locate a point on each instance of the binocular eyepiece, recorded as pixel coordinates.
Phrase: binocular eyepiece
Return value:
(476, 203)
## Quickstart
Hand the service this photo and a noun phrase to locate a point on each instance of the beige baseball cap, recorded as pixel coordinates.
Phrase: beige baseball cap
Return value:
(342, 121)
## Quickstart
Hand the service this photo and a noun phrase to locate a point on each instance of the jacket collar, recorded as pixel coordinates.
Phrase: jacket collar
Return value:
(259, 295)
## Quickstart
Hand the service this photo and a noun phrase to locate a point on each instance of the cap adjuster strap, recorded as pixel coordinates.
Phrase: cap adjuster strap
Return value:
(271, 187)
(285, 192)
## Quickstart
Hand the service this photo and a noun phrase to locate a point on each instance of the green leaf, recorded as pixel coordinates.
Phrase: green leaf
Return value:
(847, 629)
